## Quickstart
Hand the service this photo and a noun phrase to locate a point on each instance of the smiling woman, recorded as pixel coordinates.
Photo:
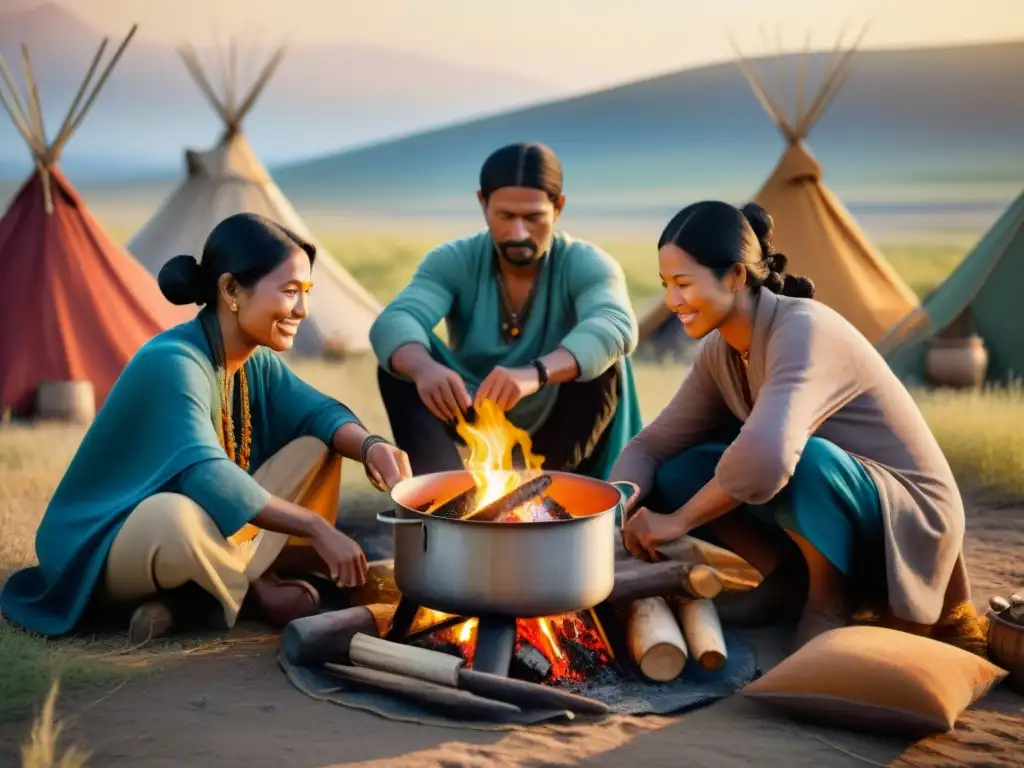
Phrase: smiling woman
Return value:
(758, 449)
(210, 466)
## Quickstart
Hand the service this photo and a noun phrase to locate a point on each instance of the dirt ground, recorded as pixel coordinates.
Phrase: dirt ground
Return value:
(235, 708)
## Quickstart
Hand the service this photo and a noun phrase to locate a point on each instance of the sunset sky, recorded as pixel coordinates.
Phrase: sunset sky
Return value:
(574, 44)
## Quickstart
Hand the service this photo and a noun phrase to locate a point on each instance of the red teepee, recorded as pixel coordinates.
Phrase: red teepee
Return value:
(77, 305)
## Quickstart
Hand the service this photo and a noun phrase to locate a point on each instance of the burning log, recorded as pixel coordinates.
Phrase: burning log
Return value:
(458, 507)
(556, 510)
(528, 491)
(328, 636)
(703, 633)
(530, 664)
(655, 641)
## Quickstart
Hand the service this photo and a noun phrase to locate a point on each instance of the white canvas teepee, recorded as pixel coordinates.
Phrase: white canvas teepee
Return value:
(230, 179)
(812, 227)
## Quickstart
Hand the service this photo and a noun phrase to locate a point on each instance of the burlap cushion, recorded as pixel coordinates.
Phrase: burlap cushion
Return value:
(878, 680)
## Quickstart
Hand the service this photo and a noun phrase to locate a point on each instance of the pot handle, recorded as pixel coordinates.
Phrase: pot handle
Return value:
(630, 492)
(388, 518)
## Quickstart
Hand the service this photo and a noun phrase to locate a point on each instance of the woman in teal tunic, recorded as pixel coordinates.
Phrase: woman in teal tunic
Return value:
(790, 422)
(208, 459)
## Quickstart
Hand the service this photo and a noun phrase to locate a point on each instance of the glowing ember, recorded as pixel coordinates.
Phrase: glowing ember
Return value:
(491, 440)
(563, 640)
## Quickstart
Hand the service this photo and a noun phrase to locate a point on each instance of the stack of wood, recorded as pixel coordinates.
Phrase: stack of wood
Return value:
(347, 644)
(663, 636)
(670, 616)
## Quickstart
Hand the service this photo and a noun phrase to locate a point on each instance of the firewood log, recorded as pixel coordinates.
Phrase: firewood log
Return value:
(327, 636)
(528, 491)
(369, 651)
(440, 669)
(637, 579)
(703, 633)
(655, 640)
(462, 702)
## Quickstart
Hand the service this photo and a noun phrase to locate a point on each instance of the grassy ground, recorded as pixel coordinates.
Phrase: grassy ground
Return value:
(974, 430)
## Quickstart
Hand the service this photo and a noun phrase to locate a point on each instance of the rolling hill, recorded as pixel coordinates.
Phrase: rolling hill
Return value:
(322, 97)
(933, 126)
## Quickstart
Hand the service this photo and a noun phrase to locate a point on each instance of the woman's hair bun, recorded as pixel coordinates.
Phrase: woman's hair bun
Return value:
(761, 222)
(179, 280)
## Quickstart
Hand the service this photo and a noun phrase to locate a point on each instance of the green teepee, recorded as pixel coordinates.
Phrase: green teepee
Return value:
(984, 295)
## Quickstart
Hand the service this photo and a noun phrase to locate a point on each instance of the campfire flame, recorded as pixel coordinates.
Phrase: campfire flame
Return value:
(552, 636)
(491, 440)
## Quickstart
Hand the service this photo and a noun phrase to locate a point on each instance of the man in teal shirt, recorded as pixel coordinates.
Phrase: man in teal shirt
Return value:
(538, 322)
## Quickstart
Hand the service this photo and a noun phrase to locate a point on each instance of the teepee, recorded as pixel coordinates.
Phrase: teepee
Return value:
(230, 179)
(980, 299)
(77, 306)
(819, 236)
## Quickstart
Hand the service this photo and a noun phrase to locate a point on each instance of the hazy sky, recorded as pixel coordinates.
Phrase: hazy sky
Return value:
(573, 43)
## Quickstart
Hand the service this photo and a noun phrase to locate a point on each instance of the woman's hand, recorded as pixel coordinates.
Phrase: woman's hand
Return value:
(386, 466)
(342, 556)
(645, 530)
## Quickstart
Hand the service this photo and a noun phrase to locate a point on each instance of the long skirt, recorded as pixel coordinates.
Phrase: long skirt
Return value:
(830, 501)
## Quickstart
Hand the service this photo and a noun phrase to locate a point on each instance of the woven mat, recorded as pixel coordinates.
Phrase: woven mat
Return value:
(622, 689)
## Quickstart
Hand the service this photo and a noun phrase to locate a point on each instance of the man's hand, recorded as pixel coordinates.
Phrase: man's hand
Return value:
(507, 386)
(387, 466)
(443, 391)
(644, 531)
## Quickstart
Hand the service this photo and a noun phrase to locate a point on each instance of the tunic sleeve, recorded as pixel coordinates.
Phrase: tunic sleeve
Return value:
(695, 412)
(806, 380)
(296, 409)
(180, 391)
(413, 314)
(606, 327)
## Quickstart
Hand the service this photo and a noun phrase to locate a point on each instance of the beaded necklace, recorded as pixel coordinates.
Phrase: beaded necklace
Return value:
(240, 454)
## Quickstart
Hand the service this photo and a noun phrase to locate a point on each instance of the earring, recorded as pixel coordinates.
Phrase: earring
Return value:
(234, 307)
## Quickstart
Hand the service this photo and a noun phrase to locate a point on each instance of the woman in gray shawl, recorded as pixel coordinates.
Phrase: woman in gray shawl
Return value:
(790, 421)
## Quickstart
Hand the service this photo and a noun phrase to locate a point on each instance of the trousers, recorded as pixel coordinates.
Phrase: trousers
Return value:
(169, 541)
(568, 440)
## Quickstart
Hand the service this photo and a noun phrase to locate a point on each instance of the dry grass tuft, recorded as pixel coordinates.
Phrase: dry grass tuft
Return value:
(40, 751)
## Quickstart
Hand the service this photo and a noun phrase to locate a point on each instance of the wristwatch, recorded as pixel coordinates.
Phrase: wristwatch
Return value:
(542, 373)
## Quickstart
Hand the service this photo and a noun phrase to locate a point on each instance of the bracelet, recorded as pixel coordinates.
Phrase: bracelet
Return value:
(542, 373)
(368, 442)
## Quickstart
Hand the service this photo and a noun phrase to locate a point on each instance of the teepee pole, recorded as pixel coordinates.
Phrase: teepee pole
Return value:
(838, 79)
(195, 68)
(100, 83)
(17, 112)
(18, 122)
(60, 138)
(261, 82)
(42, 163)
(757, 85)
(801, 80)
(232, 72)
(35, 106)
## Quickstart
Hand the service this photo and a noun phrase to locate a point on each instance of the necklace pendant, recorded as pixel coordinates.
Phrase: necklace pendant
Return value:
(515, 331)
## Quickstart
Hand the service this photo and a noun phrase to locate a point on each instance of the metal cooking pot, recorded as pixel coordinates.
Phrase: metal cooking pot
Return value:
(527, 570)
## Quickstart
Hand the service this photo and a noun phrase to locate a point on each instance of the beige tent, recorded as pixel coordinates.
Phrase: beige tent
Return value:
(230, 179)
(812, 227)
